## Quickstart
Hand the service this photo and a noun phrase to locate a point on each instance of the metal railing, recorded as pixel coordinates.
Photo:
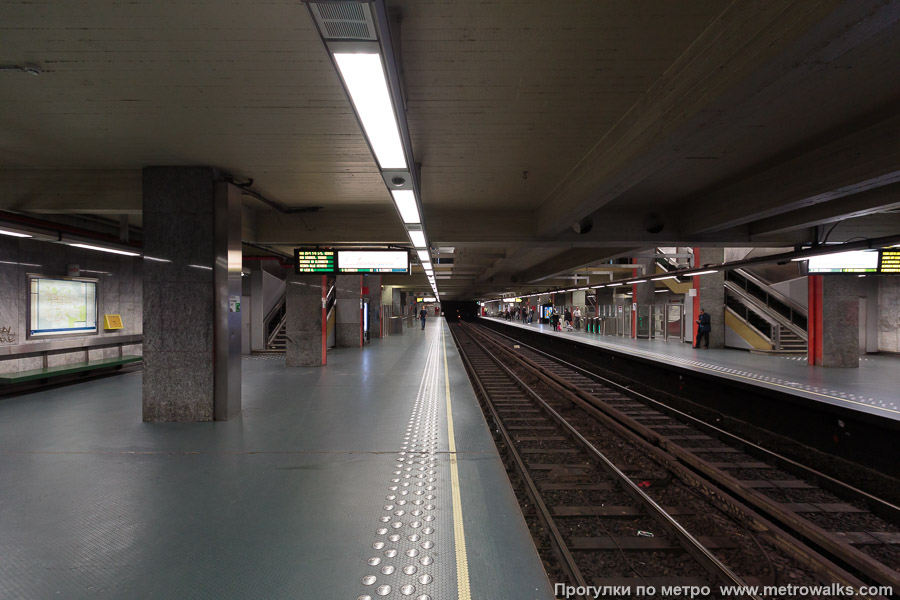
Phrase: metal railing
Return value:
(275, 319)
(777, 302)
(652, 321)
(764, 311)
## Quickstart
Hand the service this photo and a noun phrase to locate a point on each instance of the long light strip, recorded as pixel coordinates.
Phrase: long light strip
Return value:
(406, 204)
(423, 255)
(704, 272)
(102, 249)
(14, 233)
(364, 77)
(665, 277)
(418, 238)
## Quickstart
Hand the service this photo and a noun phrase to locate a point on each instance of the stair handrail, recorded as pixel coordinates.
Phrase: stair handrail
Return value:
(275, 307)
(765, 310)
(271, 338)
(769, 289)
(751, 326)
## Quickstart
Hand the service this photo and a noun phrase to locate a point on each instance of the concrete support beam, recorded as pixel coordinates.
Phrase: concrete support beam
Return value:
(56, 191)
(191, 334)
(739, 41)
(348, 311)
(710, 295)
(305, 320)
(848, 207)
(863, 160)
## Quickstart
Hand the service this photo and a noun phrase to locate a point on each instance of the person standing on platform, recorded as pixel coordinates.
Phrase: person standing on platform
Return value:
(703, 328)
(568, 317)
(554, 320)
(577, 315)
(422, 314)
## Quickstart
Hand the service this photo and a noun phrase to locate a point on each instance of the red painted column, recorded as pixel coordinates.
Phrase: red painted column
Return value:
(696, 310)
(362, 332)
(814, 323)
(633, 300)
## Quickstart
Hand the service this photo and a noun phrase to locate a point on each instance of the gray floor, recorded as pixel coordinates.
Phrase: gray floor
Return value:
(284, 502)
(872, 388)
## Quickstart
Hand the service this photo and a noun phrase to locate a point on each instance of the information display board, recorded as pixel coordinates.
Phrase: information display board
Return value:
(856, 261)
(373, 261)
(889, 261)
(61, 306)
(310, 260)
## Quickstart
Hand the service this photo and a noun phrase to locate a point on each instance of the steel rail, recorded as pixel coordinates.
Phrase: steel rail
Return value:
(691, 544)
(852, 557)
(883, 505)
(566, 560)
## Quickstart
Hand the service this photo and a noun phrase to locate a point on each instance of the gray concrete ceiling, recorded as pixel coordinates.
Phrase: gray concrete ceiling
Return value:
(738, 124)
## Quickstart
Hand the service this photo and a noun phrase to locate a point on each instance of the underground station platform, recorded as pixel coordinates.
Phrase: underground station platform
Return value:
(374, 476)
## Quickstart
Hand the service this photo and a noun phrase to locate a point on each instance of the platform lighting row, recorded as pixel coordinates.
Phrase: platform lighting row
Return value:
(612, 284)
(356, 36)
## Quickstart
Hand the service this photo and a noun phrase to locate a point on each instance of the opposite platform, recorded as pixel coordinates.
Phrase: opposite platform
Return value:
(872, 388)
(336, 482)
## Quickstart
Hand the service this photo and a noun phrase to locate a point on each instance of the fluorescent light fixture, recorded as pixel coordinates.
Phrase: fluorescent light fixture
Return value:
(153, 258)
(800, 259)
(7, 262)
(426, 266)
(201, 267)
(363, 75)
(418, 238)
(704, 272)
(406, 204)
(613, 284)
(423, 255)
(102, 249)
(597, 287)
(639, 281)
(665, 277)
(13, 233)
(582, 289)
(660, 291)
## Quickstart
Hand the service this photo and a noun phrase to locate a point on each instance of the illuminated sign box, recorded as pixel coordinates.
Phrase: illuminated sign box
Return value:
(889, 262)
(61, 306)
(311, 261)
(857, 261)
(373, 261)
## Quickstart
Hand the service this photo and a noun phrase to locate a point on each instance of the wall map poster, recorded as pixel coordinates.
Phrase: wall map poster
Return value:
(62, 306)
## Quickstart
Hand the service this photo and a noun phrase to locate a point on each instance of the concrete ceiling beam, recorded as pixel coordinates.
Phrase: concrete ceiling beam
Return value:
(866, 159)
(848, 207)
(65, 191)
(743, 38)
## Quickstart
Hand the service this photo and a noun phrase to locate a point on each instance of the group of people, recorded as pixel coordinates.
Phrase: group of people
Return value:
(571, 317)
(524, 314)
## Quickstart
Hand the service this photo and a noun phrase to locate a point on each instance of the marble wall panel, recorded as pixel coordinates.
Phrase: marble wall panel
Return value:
(98, 353)
(177, 386)
(840, 320)
(889, 314)
(9, 366)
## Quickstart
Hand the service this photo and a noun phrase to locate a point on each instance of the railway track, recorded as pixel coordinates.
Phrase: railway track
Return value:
(603, 487)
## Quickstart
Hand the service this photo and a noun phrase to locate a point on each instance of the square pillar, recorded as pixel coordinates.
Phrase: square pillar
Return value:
(834, 320)
(305, 320)
(373, 283)
(192, 291)
(349, 307)
(710, 295)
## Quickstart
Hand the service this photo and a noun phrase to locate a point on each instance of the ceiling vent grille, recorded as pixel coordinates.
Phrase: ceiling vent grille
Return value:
(345, 20)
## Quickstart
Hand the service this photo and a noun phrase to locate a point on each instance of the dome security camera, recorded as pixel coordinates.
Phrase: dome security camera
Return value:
(398, 181)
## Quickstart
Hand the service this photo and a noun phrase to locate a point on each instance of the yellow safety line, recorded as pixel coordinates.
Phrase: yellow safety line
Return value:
(462, 560)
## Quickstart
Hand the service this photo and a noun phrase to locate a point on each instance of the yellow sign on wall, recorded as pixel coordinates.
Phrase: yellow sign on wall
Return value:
(112, 322)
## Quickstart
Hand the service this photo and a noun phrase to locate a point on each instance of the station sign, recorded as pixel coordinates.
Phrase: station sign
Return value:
(311, 261)
(373, 261)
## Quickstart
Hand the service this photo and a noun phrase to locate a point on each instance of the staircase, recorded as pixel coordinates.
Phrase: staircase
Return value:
(764, 317)
(278, 342)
